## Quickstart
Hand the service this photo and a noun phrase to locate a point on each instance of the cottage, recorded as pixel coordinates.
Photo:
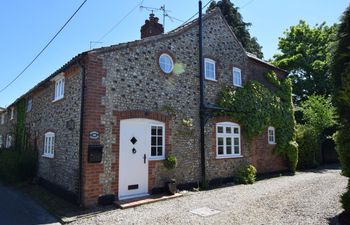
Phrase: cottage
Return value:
(105, 121)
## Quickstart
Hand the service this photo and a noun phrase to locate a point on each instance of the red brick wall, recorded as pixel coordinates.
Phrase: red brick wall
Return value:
(93, 109)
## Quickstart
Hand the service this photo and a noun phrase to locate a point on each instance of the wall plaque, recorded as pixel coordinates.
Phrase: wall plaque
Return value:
(94, 135)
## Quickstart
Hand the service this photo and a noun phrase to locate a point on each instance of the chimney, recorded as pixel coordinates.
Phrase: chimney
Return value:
(151, 27)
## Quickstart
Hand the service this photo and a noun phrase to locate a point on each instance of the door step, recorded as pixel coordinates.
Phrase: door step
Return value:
(129, 203)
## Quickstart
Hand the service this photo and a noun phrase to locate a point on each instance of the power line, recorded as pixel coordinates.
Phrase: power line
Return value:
(47, 45)
(248, 3)
(197, 12)
(118, 23)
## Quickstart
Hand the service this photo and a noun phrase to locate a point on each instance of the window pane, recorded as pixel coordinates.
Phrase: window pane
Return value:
(220, 150)
(228, 130)
(236, 130)
(236, 150)
(154, 141)
(160, 141)
(236, 141)
(160, 131)
(228, 141)
(220, 130)
(220, 141)
(153, 151)
(154, 130)
(160, 151)
(228, 150)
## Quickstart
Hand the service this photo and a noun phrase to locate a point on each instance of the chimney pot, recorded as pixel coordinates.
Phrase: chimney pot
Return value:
(151, 27)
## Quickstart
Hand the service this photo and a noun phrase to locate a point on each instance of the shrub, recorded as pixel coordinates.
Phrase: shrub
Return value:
(17, 166)
(246, 174)
(309, 147)
(170, 162)
(345, 199)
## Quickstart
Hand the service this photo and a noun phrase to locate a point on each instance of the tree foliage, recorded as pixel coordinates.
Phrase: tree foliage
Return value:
(305, 53)
(239, 27)
(341, 75)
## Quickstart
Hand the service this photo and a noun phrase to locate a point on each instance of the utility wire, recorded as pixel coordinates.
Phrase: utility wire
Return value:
(47, 45)
(248, 3)
(118, 23)
(197, 12)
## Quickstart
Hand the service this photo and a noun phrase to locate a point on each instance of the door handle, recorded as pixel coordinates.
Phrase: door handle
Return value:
(144, 158)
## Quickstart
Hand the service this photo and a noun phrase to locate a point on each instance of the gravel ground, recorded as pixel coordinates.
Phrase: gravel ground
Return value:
(306, 198)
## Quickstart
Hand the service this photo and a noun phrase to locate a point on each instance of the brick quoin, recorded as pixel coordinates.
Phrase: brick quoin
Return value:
(93, 109)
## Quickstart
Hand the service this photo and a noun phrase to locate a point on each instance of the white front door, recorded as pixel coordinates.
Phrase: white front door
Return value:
(133, 158)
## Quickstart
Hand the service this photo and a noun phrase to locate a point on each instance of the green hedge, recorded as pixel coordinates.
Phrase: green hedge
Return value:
(309, 147)
(17, 166)
(246, 175)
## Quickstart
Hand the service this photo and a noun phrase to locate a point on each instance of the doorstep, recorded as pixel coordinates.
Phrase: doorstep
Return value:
(124, 204)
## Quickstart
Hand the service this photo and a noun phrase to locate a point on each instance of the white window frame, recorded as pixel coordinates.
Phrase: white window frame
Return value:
(224, 135)
(12, 114)
(271, 135)
(29, 104)
(206, 75)
(3, 118)
(8, 143)
(161, 63)
(49, 145)
(59, 87)
(237, 81)
(158, 157)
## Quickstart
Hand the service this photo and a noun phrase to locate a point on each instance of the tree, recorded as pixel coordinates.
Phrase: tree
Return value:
(305, 53)
(239, 27)
(341, 76)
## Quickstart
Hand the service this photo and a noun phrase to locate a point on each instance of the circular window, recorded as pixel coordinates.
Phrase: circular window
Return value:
(166, 63)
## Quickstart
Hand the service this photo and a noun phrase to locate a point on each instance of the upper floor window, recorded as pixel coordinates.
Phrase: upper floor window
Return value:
(12, 113)
(59, 89)
(29, 104)
(228, 140)
(157, 141)
(209, 69)
(166, 63)
(49, 144)
(271, 135)
(8, 141)
(237, 77)
(3, 118)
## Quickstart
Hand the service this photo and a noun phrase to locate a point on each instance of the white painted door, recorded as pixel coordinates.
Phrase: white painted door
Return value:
(133, 158)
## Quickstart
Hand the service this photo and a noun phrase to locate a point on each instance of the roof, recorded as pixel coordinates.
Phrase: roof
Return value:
(254, 57)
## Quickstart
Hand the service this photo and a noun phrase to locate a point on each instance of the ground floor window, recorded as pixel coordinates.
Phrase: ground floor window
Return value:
(0, 141)
(8, 141)
(271, 135)
(157, 141)
(49, 144)
(228, 140)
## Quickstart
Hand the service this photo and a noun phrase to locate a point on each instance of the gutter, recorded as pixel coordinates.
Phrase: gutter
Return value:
(82, 99)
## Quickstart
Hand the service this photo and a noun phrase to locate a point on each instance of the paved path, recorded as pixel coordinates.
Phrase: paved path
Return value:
(306, 198)
(18, 209)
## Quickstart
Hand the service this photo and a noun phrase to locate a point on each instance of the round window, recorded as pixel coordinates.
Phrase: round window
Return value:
(166, 63)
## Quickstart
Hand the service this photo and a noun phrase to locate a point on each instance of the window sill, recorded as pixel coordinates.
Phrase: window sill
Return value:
(208, 79)
(48, 156)
(58, 99)
(272, 143)
(229, 157)
(156, 158)
(240, 86)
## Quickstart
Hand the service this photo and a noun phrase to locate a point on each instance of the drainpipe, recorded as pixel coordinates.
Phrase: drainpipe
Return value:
(82, 98)
(201, 92)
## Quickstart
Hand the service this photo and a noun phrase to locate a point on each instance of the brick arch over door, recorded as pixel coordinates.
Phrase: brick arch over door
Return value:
(123, 115)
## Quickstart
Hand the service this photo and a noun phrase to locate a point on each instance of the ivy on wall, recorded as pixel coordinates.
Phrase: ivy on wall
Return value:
(255, 107)
(20, 125)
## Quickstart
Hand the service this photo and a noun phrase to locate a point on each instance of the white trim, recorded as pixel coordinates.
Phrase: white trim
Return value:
(229, 157)
(210, 61)
(59, 89)
(228, 136)
(49, 145)
(235, 69)
(271, 142)
(162, 157)
(165, 64)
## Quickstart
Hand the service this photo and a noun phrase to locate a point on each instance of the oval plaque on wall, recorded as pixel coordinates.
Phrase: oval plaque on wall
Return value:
(94, 135)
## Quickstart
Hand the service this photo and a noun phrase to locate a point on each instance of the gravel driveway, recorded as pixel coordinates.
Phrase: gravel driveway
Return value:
(306, 198)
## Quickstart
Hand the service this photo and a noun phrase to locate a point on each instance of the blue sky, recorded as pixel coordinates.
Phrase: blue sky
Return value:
(28, 25)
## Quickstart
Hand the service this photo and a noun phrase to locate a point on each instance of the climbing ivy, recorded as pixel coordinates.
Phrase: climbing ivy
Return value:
(255, 107)
(20, 126)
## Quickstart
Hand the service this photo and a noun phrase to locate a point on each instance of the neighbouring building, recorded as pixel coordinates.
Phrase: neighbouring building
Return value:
(105, 121)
